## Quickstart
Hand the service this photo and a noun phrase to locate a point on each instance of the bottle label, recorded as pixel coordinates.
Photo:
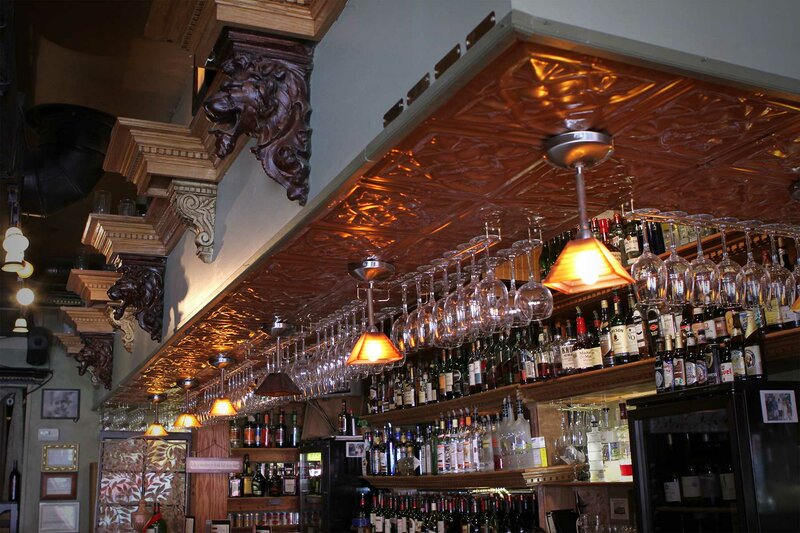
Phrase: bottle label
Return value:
(672, 491)
(596, 356)
(728, 486)
(440, 526)
(441, 464)
(668, 375)
(289, 485)
(423, 390)
(690, 486)
(711, 329)
(567, 357)
(378, 524)
(700, 371)
(772, 313)
(726, 371)
(752, 360)
(659, 379)
(668, 324)
(630, 339)
(471, 368)
(632, 246)
(605, 344)
(678, 376)
(737, 359)
(443, 382)
(432, 393)
(584, 357)
(709, 485)
(691, 374)
(619, 340)
(448, 382)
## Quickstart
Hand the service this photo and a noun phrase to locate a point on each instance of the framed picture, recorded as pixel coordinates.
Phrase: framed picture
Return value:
(354, 449)
(61, 403)
(61, 517)
(619, 509)
(59, 458)
(188, 524)
(220, 526)
(778, 407)
(63, 486)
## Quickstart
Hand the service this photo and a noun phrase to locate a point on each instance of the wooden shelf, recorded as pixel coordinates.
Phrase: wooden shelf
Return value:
(509, 479)
(288, 528)
(688, 509)
(623, 484)
(280, 503)
(269, 455)
(486, 402)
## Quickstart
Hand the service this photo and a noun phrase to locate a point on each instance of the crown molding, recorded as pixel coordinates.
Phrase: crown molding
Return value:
(112, 235)
(87, 319)
(71, 343)
(91, 285)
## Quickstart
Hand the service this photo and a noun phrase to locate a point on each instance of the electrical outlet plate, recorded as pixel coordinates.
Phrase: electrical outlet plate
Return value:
(48, 434)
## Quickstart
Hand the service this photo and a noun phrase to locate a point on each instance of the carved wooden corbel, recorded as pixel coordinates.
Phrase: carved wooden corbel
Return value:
(266, 96)
(71, 343)
(196, 204)
(124, 325)
(140, 288)
(97, 356)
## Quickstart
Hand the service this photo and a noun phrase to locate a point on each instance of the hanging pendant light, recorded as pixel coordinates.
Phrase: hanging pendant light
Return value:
(20, 325)
(373, 347)
(585, 264)
(187, 419)
(222, 406)
(155, 430)
(15, 244)
(278, 384)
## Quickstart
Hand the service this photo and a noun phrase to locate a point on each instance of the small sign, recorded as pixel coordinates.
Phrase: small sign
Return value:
(213, 465)
(778, 407)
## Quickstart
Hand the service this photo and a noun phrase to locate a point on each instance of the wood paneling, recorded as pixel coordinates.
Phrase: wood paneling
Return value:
(210, 491)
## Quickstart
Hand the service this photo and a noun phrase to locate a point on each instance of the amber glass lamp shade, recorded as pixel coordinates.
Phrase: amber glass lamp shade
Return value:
(187, 421)
(277, 384)
(222, 407)
(155, 430)
(586, 265)
(796, 305)
(373, 348)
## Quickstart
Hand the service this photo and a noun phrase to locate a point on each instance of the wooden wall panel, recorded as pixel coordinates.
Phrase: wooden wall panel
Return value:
(209, 491)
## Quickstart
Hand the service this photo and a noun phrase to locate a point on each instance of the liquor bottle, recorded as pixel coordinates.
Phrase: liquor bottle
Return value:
(709, 320)
(409, 390)
(247, 477)
(249, 432)
(736, 343)
(605, 335)
(530, 359)
(568, 365)
(234, 435)
(289, 480)
(634, 331)
(342, 419)
(614, 249)
(432, 391)
(700, 364)
(234, 485)
(656, 238)
(594, 342)
(458, 373)
(258, 481)
(720, 323)
(294, 432)
(679, 364)
(555, 352)
(623, 438)
(672, 489)
(725, 363)
(391, 451)
(753, 349)
(372, 403)
(259, 432)
(422, 386)
(281, 440)
(697, 323)
(275, 484)
(689, 366)
(581, 351)
(442, 373)
(156, 524)
(727, 483)
(619, 338)
(659, 366)
(668, 364)
(690, 480)
(772, 311)
(14, 483)
(711, 355)
(653, 323)
(633, 239)
(268, 433)
(544, 363)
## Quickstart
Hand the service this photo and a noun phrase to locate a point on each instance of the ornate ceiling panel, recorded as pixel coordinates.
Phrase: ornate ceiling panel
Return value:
(680, 143)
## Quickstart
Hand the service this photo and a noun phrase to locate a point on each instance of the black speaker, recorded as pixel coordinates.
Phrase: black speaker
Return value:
(38, 346)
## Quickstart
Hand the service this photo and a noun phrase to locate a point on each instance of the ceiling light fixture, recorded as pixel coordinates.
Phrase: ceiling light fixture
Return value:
(155, 430)
(20, 325)
(15, 244)
(187, 419)
(373, 347)
(585, 263)
(222, 406)
(278, 384)
(26, 271)
(25, 296)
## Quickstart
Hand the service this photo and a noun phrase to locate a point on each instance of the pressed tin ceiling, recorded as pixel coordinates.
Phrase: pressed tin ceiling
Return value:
(680, 143)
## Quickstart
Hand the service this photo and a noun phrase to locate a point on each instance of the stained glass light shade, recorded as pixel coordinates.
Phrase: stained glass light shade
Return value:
(586, 265)
(222, 407)
(187, 420)
(155, 430)
(373, 348)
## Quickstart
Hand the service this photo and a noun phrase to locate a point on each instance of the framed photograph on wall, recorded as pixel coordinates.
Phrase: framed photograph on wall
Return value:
(61, 403)
(60, 458)
(59, 486)
(61, 517)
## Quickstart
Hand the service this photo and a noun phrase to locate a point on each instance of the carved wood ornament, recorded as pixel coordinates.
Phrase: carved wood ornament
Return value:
(266, 96)
(124, 325)
(196, 204)
(97, 356)
(141, 288)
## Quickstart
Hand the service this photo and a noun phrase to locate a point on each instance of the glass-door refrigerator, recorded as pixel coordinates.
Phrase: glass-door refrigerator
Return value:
(719, 458)
(330, 471)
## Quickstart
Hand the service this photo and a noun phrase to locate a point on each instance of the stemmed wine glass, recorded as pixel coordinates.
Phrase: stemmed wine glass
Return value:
(412, 329)
(781, 282)
(443, 336)
(676, 273)
(730, 291)
(705, 274)
(493, 299)
(796, 271)
(752, 278)
(516, 317)
(398, 333)
(426, 319)
(473, 303)
(533, 298)
(455, 307)
(647, 271)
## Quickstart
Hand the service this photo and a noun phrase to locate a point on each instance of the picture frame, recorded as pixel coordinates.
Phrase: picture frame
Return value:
(220, 526)
(619, 509)
(778, 407)
(354, 449)
(59, 486)
(59, 404)
(59, 517)
(59, 458)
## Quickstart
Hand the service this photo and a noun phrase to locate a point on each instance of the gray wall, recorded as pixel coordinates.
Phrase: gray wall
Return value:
(85, 432)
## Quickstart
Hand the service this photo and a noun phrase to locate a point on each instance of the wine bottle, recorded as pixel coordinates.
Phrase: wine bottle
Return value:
(659, 366)
(679, 364)
(619, 339)
(668, 364)
(753, 349)
(156, 524)
(606, 352)
(14, 484)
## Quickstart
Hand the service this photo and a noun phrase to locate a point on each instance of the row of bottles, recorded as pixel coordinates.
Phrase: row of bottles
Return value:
(446, 513)
(459, 442)
(264, 518)
(265, 431)
(263, 479)
(706, 476)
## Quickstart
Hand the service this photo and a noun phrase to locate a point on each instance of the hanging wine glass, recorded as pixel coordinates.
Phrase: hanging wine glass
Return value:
(426, 319)
(533, 299)
(398, 333)
(730, 292)
(412, 326)
(515, 316)
(705, 274)
(796, 271)
(473, 301)
(647, 271)
(456, 310)
(676, 274)
(442, 334)
(781, 282)
(493, 299)
(753, 277)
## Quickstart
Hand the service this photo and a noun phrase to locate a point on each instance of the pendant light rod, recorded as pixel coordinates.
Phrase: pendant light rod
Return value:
(580, 187)
(370, 308)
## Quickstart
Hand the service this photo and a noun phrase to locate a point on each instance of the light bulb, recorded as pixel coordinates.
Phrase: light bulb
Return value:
(15, 242)
(25, 296)
(588, 265)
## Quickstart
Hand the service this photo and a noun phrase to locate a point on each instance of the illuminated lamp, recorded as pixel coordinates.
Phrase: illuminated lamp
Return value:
(187, 419)
(155, 430)
(222, 406)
